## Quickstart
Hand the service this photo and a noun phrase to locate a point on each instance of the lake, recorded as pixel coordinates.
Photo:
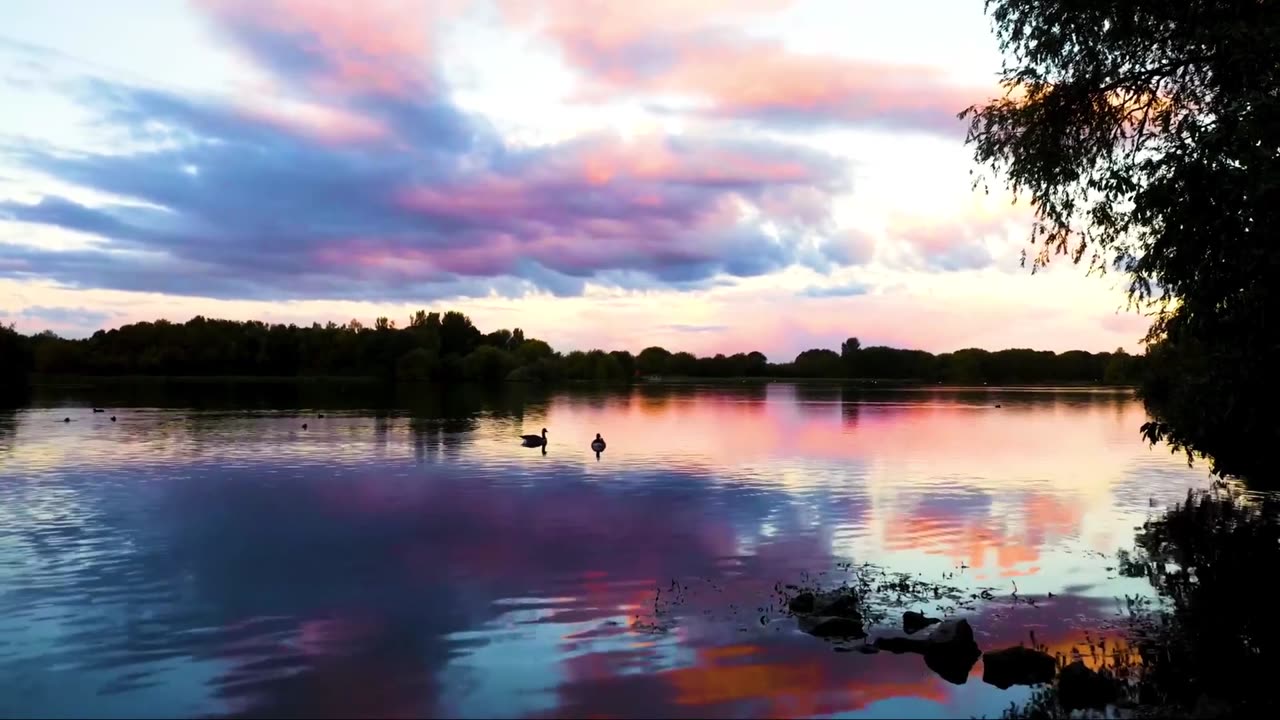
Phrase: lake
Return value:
(404, 556)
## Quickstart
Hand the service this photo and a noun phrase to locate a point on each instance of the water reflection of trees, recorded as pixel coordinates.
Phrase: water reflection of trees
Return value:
(8, 431)
(1210, 646)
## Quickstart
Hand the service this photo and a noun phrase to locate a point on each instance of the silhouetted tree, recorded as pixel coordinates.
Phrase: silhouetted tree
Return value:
(1209, 650)
(417, 365)
(457, 335)
(203, 346)
(1145, 135)
(819, 363)
(652, 360)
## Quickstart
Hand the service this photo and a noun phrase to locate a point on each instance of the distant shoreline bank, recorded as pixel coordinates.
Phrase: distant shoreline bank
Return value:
(67, 381)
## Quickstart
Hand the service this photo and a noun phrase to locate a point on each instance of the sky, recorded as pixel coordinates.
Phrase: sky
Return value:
(707, 175)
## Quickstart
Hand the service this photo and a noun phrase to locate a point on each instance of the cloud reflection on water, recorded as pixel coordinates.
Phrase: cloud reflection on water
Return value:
(401, 562)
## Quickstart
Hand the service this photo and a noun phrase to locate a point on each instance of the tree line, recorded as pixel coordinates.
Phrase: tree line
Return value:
(448, 347)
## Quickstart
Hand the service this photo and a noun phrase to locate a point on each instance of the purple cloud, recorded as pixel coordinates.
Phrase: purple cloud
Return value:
(384, 190)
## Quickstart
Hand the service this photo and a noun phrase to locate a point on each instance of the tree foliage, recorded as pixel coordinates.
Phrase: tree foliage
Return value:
(1146, 136)
(448, 347)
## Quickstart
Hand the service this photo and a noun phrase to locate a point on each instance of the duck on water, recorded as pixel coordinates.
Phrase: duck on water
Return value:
(598, 445)
(535, 440)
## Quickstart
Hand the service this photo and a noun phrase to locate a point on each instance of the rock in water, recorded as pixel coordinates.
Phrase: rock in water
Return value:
(913, 622)
(802, 603)
(829, 627)
(1080, 688)
(1017, 666)
(952, 651)
(828, 604)
(899, 645)
(839, 605)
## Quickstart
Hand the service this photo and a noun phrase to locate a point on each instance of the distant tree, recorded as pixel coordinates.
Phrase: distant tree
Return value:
(652, 360)
(417, 365)
(682, 363)
(625, 361)
(488, 363)
(383, 324)
(533, 350)
(604, 366)
(501, 339)
(757, 363)
(819, 363)
(15, 358)
(457, 335)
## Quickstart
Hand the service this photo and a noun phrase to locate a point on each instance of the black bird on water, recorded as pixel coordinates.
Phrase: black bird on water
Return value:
(98, 410)
(304, 426)
(598, 445)
(66, 419)
(113, 418)
(535, 441)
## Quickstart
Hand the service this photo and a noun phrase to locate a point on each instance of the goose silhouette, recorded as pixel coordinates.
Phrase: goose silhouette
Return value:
(598, 445)
(535, 440)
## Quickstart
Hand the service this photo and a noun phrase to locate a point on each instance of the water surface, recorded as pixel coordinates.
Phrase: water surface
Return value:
(204, 555)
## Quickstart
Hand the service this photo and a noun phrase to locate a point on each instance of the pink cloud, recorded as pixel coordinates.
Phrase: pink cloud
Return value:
(698, 50)
(764, 80)
(377, 46)
(324, 123)
(655, 204)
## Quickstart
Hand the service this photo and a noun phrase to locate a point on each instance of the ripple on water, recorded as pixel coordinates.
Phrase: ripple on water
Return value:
(184, 562)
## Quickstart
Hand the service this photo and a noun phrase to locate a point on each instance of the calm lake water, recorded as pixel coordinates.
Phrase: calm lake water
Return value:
(404, 556)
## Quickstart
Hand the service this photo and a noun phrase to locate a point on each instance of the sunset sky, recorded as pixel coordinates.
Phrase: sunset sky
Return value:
(710, 175)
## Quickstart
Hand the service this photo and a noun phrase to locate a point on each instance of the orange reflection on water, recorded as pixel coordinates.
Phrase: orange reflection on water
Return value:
(1014, 537)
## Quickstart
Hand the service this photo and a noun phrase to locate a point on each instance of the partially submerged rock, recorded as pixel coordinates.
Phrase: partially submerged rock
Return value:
(833, 627)
(1080, 688)
(843, 605)
(833, 614)
(1017, 666)
(802, 604)
(950, 650)
(913, 622)
(836, 603)
(899, 645)
(837, 628)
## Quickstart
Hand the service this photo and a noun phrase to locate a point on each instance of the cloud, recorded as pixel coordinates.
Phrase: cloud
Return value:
(699, 52)
(962, 243)
(851, 289)
(688, 328)
(75, 320)
(948, 248)
(359, 178)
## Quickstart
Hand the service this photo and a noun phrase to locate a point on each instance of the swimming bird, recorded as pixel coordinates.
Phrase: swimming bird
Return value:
(320, 415)
(98, 410)
(598, 444)
(66, 419)
(113, 418)
(304, 426)
(535, 440)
